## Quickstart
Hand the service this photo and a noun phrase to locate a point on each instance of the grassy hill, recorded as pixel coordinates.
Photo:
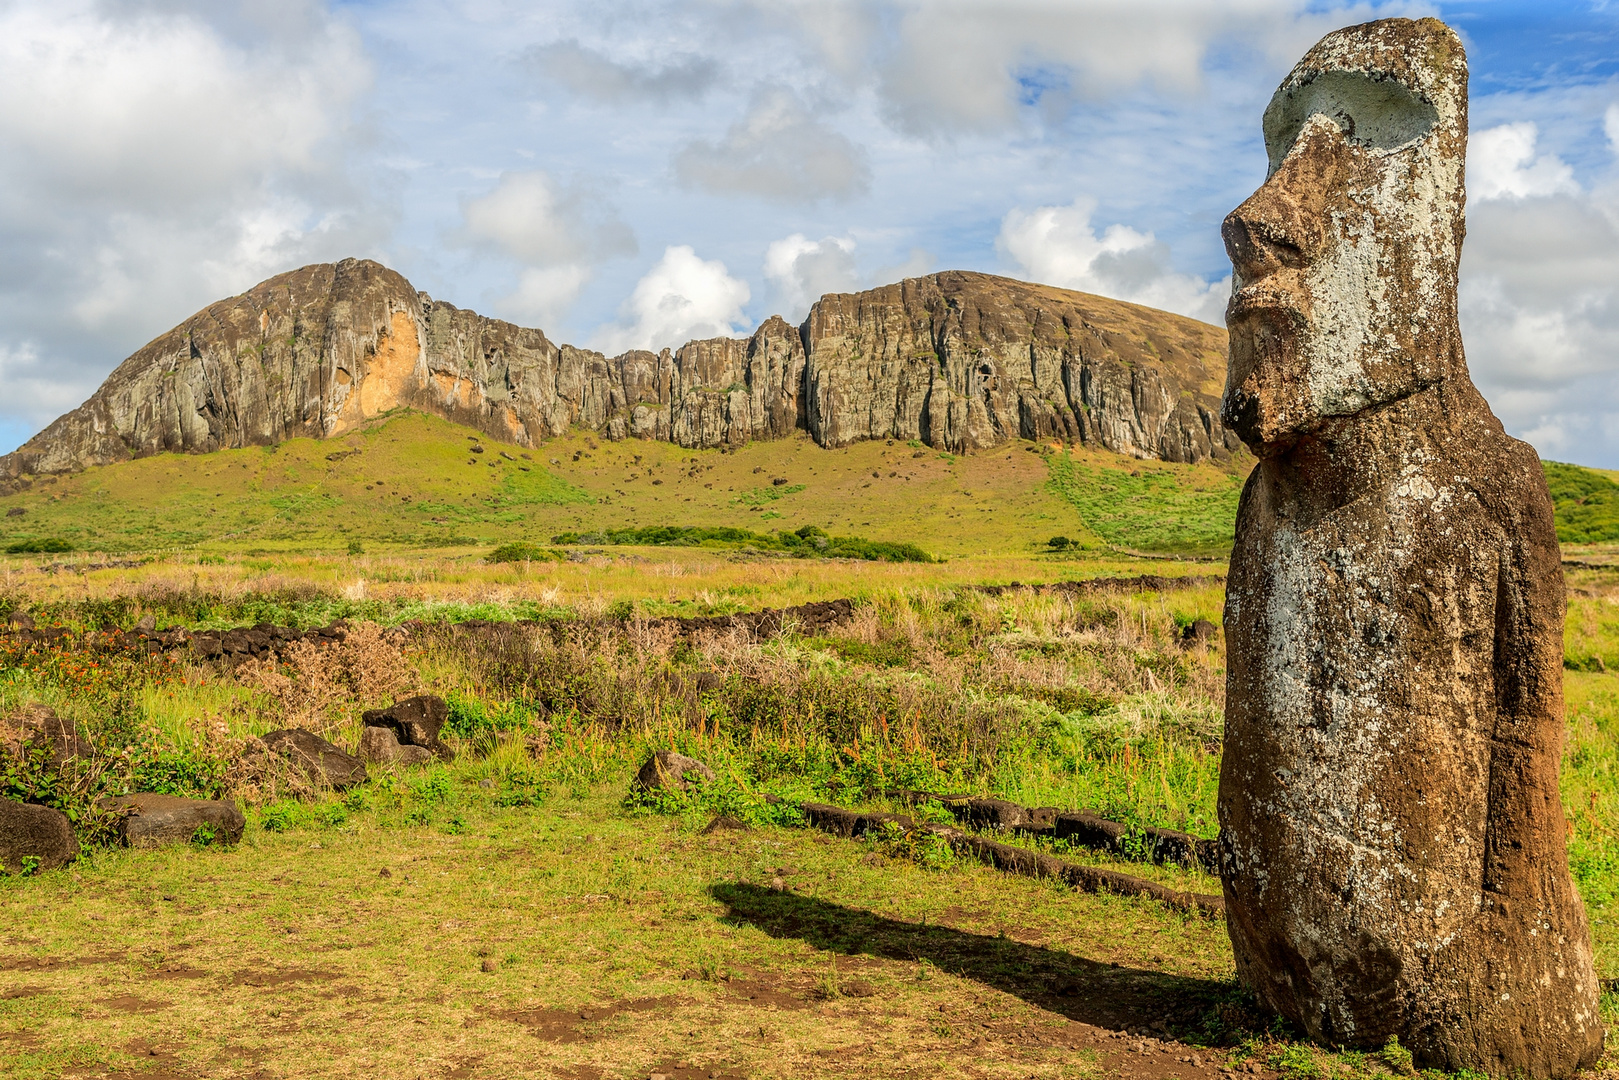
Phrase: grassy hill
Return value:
(412, 481)
(415, 481)
(1586, 502)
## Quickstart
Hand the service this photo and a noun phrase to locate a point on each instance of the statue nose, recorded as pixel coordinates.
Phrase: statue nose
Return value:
(1284, 223)
(1268, 233)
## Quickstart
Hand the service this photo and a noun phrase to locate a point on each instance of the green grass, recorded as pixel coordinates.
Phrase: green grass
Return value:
(410, 482)
(1586, 503)
(1150, 506)
(810, 541)
(618, 945)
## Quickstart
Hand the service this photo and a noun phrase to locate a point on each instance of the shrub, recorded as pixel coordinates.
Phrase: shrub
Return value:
(523, 551)
(47, 545)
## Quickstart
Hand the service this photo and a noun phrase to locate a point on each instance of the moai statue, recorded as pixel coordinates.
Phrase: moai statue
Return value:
(1392, 836)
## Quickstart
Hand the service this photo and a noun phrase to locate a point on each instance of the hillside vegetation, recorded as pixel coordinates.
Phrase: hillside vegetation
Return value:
(415, 481)
(410, 481)
(1586, 502)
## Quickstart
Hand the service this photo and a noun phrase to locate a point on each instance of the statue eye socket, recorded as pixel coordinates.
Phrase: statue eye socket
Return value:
(1376, 113)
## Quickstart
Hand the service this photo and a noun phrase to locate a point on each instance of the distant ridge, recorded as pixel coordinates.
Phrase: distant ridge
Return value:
(957, 360)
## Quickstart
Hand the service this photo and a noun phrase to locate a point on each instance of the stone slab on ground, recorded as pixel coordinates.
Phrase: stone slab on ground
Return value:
(154, 820)
(28, 831)
(324, 763)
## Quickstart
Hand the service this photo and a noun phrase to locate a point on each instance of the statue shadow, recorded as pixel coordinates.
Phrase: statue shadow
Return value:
(1088, 991)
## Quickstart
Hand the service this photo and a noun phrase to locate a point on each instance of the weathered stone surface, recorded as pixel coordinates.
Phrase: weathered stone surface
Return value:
(415, 721)
(154, 820)
(669, 771)
(37, 832)
(380, 746)
(323, 763)
(958, 360)
(1392, 835)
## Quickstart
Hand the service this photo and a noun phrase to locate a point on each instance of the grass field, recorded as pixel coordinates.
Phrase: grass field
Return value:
(515, 913)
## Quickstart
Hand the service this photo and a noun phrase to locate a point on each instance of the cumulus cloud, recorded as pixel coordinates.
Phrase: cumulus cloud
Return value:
(593, 75)
(559, 233)
(1502, 164)
(803, 270)
(1058, 245)
(682, 298)
(942, 68)
(1540, 316)
(154, 158)
(779, 150)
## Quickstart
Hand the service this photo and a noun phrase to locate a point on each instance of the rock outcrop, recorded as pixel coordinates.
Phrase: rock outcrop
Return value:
(958, 360)
(668, 771)
(1392, 837)
(154, 820)
(413, 722)
(321, 762)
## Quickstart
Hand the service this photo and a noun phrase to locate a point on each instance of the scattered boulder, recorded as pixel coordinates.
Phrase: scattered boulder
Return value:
(379, 746)
(415, 721)
(153, 820)
(990, 813)
(20, 620)
(34, 832)
(1200, 632)
(322, 762)
(669, 771)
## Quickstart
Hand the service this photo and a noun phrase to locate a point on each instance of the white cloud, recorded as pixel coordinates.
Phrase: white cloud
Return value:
(943, 68)
(1540, 318)
(1057, 245)
(779, 150)
(1501, 164)
(558, 233)
(596, 76)
(1610, 125)
(803, 270)
(156, 157)
(682, 298)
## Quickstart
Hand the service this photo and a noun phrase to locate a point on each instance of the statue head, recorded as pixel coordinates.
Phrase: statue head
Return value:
(1343, 292)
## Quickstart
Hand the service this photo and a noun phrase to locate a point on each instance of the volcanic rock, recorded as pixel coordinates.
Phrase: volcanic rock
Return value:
(957, 360)
(1392, 835)
(322, 762)
(669, 771)
(380, 746)
(36, 832)
(415, 721)
(154, 820)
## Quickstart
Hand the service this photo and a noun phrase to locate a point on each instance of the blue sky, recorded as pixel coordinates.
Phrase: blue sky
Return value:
(636, 174)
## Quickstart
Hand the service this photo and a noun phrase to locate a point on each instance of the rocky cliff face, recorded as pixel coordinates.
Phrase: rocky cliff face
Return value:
(957, 360)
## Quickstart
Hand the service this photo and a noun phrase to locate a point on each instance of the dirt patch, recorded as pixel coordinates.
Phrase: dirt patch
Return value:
(53, 963)
(176, 971)
(765, 994)
(582, 1024)
(20, 992)
(128, 1003)
(281, 977)
(685, 1070)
